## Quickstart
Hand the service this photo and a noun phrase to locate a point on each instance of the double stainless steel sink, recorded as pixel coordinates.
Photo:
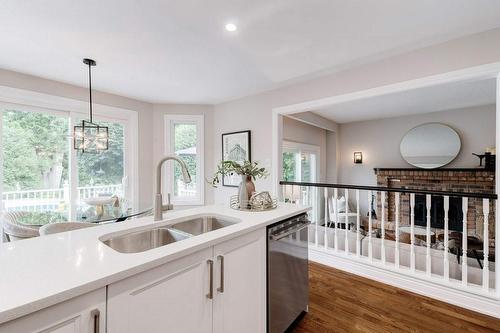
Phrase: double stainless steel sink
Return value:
(140, 241)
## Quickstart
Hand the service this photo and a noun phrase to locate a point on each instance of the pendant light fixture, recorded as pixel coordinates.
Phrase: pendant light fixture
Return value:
(89, 137)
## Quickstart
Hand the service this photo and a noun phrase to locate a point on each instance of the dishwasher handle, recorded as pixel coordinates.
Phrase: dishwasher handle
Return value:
(289, 232)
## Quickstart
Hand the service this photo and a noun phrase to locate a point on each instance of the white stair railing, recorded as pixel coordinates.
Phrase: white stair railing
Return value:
(377, 239)
(446, 264)
(464, 241)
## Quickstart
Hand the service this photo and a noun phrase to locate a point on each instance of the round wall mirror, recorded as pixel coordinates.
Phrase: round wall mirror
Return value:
(430, 146)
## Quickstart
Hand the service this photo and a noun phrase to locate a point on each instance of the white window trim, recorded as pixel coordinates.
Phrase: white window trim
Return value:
(72, 108)
(168, 186)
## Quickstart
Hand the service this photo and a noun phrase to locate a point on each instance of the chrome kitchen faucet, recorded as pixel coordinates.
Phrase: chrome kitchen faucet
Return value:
(159, 207)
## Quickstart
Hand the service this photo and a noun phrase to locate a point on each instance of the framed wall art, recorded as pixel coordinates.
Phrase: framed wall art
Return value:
(236, 146)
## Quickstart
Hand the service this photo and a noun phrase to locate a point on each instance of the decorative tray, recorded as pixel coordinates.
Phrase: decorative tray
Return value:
(253, 205)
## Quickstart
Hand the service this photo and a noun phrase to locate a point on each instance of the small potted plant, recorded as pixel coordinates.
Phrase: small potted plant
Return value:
(249, 171)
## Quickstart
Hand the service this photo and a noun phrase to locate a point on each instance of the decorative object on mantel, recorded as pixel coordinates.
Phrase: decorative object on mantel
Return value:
(236, 147)
(249, 171)
(89, 137)
(489, 157)
(430, 146)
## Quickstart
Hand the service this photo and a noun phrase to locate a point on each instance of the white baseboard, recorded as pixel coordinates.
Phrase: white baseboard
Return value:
(481, 304)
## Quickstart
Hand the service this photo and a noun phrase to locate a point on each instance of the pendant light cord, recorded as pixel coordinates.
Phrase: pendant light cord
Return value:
(90, 91)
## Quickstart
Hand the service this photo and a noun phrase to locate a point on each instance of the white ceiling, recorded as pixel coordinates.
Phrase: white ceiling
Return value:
(177, 51)
(423, 100)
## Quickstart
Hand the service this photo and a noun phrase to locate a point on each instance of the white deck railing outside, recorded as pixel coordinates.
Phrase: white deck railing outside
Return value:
(50, 199)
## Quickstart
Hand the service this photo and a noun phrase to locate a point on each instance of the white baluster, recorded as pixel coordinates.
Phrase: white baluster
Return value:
(293, 194)
(396, 253)
(382, 236)
(486, 247)
(326, 217)
(335, 222)
(412, 232)
(357, 224)
(316, 197)
(446, 268)
(465, 203)
(428, 266)
(302, 200)
(370, 245)
(346, 222)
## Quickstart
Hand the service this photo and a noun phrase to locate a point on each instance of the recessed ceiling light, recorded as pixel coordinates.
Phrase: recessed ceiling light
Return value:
(231, 27)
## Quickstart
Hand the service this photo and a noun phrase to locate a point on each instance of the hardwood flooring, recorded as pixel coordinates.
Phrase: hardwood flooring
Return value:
(342, 302)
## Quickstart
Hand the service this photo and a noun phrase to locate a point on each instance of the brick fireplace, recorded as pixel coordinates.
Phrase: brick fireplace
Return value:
(453, 180)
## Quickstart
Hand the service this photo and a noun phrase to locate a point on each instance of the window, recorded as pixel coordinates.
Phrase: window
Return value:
(43, 173)
(301, 164)
(103, 174)
(184, 138)
(35, 162)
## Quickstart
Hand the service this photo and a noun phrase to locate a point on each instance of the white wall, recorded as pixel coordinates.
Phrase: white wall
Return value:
(160, 110)
(332, 157)
(379, 141)
(255, 112)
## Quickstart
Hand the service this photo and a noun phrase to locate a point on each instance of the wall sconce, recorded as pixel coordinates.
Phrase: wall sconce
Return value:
(358, 157)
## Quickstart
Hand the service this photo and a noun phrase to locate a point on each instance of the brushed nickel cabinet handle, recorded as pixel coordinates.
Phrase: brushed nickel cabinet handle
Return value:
(96, 314)
(210, 294)
(221, 287)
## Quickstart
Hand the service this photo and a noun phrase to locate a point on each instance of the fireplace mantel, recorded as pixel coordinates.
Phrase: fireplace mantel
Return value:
(433, 170)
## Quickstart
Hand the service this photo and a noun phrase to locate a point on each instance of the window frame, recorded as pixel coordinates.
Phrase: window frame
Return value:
(168, 186)
(30, 101)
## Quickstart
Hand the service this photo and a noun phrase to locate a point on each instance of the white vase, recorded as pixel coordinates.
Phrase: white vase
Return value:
(243, 193)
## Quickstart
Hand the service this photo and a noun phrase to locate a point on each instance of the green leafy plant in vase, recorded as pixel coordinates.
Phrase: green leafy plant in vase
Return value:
(249, 171)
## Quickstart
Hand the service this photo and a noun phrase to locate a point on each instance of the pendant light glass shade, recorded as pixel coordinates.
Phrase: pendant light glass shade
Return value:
(90, 137)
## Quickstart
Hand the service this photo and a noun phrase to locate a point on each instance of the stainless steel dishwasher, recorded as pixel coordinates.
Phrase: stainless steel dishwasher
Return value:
(287, 272)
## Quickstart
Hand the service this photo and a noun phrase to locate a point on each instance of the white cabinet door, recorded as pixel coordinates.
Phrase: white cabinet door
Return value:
(78, 315)
(241, 304)
(168, 298)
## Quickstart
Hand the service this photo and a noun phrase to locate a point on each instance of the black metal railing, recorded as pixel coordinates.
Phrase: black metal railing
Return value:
(464, 194)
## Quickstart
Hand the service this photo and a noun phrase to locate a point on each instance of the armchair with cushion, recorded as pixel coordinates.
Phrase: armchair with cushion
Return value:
(14, 230)
(340, 216)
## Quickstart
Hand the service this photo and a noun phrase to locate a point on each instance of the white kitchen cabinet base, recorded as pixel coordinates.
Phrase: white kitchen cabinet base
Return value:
(169, 298)
(241, 307)
(73, 316)
(173, 297)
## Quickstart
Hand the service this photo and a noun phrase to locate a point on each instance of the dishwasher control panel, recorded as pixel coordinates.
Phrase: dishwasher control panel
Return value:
(286, 226)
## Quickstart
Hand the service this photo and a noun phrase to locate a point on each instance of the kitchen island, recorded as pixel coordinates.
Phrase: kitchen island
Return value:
(74, 282)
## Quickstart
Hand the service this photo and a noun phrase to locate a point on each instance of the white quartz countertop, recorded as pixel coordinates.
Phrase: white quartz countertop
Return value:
(40, 272)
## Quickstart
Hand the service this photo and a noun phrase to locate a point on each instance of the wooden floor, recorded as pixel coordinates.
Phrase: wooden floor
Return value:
(342, 302)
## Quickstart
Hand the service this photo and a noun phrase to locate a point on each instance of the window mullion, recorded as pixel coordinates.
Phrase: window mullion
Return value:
(73, 170)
